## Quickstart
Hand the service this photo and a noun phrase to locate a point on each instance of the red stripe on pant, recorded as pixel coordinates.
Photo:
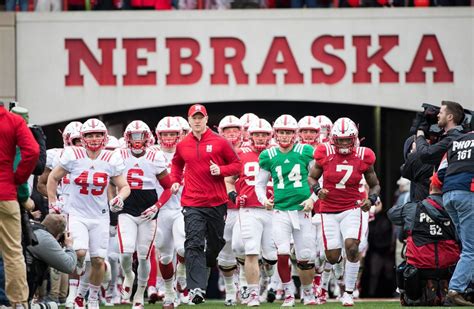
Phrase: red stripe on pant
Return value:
(120, 238)
(153, 268)
(325, 241)
(360, 225)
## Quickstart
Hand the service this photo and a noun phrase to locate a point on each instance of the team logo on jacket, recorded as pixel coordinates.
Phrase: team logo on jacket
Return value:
(208, 148)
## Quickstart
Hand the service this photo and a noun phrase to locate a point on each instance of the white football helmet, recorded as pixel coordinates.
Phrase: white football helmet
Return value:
(325, 125)
(137, 136)
(113, 143)
(233, 136)
(94, 125)
(71, 132)
(260, 141)
(168, 125)
(246, 120)
(285, 123)
(184, 124)
(308, 130)
(344, 135)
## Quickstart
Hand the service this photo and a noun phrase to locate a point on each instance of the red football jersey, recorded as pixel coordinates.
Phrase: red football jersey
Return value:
(248, 175)
(342, 176)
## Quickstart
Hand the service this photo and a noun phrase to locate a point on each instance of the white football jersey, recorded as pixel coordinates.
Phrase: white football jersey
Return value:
(89, 180)
(175, 200)
(52, 156)
(141, 172)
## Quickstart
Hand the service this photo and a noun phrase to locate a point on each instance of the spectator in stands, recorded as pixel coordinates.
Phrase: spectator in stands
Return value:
(10, 5)
(458, 198)
(14, 132)
(432, 248)
(48, 5)
(450, 118)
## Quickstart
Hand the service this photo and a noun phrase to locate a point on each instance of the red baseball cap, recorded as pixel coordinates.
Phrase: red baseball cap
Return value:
(197, 108)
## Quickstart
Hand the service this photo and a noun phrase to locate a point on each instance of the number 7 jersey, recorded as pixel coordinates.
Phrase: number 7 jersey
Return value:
(342, 176)
(89, 180)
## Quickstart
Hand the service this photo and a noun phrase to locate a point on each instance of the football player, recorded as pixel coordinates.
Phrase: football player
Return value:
(90, 168)
(343, 165)
(137, 219)
(170, 233)
(246, 120)
(230, 128)
(288, 166)
(255, 220)
(325, 125)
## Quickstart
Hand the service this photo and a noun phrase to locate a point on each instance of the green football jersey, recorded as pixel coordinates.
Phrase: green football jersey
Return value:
(289, 174)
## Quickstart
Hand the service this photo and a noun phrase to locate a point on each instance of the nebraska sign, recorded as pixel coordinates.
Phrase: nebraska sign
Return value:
(83, 64)
(278, 56)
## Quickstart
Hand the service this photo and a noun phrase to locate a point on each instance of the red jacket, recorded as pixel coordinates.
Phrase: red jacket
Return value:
(201, 189)
(14, 132)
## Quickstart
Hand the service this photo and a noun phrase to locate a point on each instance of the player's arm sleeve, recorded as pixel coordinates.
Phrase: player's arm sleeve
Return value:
(264, 174)
(261, 182)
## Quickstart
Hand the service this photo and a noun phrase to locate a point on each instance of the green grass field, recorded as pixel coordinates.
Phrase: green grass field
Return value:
(332, 304)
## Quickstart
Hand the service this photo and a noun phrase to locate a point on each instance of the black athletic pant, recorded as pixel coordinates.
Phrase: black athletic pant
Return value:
(204, 228)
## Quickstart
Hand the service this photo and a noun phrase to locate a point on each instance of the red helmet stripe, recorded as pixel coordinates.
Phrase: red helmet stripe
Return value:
(285, 120)
(168, 124)
(342, 128)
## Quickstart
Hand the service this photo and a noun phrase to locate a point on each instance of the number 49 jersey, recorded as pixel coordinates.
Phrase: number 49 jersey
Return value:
(89, 180)
(342, 176)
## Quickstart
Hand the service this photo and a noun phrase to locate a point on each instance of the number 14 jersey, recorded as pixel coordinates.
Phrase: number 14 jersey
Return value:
(342, 176)
(289, 173)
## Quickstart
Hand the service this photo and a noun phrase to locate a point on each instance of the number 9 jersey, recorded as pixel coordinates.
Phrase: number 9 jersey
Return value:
(89, 180)
(342, 176)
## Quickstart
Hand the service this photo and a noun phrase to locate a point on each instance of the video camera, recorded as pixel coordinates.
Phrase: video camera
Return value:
(427, 120)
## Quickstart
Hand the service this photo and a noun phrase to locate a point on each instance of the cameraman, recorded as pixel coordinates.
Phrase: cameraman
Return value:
(458, 198)
(432, 249)
(450, 118)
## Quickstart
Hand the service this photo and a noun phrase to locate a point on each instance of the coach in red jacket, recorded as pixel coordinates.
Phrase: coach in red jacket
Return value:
(14, 132)
(206, 159)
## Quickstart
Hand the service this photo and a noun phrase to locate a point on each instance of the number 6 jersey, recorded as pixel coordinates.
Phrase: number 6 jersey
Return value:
(141, 175)
(89, 180)
(342, 176)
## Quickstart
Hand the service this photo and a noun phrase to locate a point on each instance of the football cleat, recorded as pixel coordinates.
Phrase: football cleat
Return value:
(152, 294)
(347, 300)
(79, 303)
(93, 304)
(289, 301)
(127, 285)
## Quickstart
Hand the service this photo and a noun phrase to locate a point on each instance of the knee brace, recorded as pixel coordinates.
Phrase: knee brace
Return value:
(270, 262)
(166, 259)
(227, 268)
(304, 265)
(240, 260)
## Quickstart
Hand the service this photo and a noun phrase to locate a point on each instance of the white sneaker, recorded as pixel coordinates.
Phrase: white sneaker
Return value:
(253, 300)
(152, 294)
(308, 298)
(127, 286)
(109, 301)
(289, 301)
(181, 284)
(79, 303)
(183, 297)
(347, 300)
(138, 306)
(93, 304)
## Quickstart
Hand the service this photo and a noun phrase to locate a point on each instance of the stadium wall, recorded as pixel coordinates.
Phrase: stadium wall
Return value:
(7, 57)
(79, 64)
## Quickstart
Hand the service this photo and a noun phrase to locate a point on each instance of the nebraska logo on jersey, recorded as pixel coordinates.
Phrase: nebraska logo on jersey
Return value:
(208, 148)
